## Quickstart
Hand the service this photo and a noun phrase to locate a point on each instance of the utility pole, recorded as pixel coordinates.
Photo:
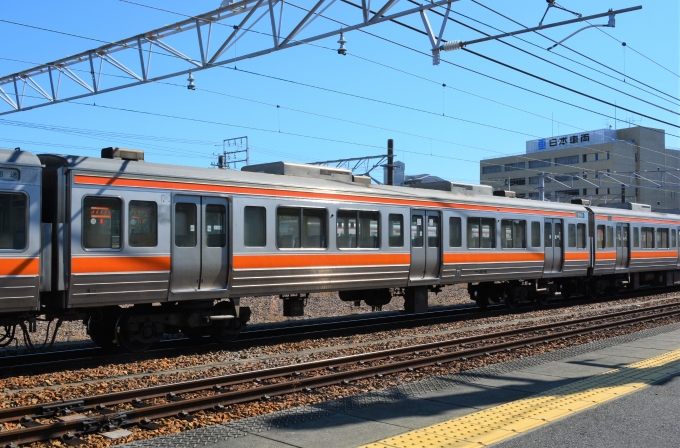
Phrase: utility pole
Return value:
(390, 162)
(231, 147)
(541, 186)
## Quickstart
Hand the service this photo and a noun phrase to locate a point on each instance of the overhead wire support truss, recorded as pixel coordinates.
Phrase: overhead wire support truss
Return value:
(133, 54)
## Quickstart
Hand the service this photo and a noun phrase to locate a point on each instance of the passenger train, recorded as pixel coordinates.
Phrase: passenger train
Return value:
(137, 250)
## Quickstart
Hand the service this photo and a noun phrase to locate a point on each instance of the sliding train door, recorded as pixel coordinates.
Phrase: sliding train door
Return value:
(425, 245)
(553, 245)
(622, 246)
(199, 246)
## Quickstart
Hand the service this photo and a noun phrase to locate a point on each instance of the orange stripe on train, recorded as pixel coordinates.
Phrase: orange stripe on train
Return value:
(605, 255)
(654, 254)
(188, 186)
(493, 257)
(19, 266)
(314, 260)
(94, 265)
(569, 256)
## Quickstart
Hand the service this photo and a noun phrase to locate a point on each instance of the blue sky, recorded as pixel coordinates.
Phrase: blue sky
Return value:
(439, 130)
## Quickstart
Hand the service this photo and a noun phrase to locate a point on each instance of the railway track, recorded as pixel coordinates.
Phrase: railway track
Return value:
(71, 419)
(291, 331)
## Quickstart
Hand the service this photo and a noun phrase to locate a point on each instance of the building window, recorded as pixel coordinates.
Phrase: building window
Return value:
(567, 160)
(481, 233)
(515, 166)
(585, 191)
(143, 224)
(518, 181)
(491, 169)
(607, 156)
(585, 158)
(301, 227)
(255, 227)
(539, 163)
(395, 232)
(563, 193)
(13, 224)
(597, 156)
(101, 222)
(521, 195)
(513, 234)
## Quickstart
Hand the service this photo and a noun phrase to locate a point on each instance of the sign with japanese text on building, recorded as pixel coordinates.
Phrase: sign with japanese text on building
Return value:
(579, 139)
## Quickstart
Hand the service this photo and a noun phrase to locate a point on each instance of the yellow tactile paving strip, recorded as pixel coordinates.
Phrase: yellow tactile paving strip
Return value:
(507, 420)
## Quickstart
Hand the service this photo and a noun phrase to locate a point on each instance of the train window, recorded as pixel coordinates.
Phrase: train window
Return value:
(513, 234)
(481, 233)
(254, 226)
(535, 234)
(433, 231)
(674, 242)
(396, 230)
(417, 230)
(101, 223)
(647, 237)
(581, 238)
(662, 238)
(600, 237)
(185, 224)
(547, 234)
(13, 225)
(455, 232)
(301, 227)
(610, 236)
(143, 224)
(636, 237)
(357, 229)
(215, 225)
(571, 235)
(558, 234)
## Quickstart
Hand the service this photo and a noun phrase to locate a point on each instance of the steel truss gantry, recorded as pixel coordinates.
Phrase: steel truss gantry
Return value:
(259, 25)
(361, 165)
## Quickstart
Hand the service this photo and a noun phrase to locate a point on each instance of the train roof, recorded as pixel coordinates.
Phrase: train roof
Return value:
(623, 212)
(16, 157)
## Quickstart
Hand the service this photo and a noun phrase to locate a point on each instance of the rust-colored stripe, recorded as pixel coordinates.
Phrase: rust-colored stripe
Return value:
(196, 187)
(655, 254)
(493, 257)
(605, 255)
(93, 265)
(576, 256)
(19, 266)
(315, 260)
(649, 220)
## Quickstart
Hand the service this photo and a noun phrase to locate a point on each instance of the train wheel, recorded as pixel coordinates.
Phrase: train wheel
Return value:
(595, 289)
(543, 299)
(134, 335)
(102, 327)
(227, 330)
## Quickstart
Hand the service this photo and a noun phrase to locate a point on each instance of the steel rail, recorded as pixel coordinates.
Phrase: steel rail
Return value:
(222, 396)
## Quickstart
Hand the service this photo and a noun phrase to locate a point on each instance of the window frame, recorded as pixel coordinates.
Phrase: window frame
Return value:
(524, 237)
(357, 211)
(468, 227)
(301, 208)
(539, 235)
(585, 236)
(27, 222)
(123, 227)
(389, 220)
(571, 226)
(460, 228)
(129, 214)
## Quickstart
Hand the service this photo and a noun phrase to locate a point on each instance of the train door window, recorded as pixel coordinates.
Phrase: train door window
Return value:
(13, 225)
(571, 235)
(647, 237)
(581, 238)
(513, 234)
(535, 234)
(314, 228)
(600, 237)
(619, 241)
(255, 226)
(674, 242)
(396, 230)
(455, 232)
(186, 227)
(215, 225)
(288, 228)
(558, 234)
(636, 237)
(417, 230)
(433, 231)
(143, 224)
(369, 226)
(662, 238)
(610, 236)
(547, 234)
(101, 222)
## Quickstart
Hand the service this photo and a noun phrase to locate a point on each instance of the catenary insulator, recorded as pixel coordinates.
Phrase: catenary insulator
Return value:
(452, 45)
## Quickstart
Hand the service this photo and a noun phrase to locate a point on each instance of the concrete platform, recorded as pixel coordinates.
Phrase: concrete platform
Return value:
(642, 418)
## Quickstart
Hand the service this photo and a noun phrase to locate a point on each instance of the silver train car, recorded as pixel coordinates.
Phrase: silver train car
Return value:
(137, 250)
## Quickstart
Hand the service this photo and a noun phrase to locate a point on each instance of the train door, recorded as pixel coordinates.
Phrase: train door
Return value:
(199, 249)
(622, 246)
(425, 244)
(553, 245)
